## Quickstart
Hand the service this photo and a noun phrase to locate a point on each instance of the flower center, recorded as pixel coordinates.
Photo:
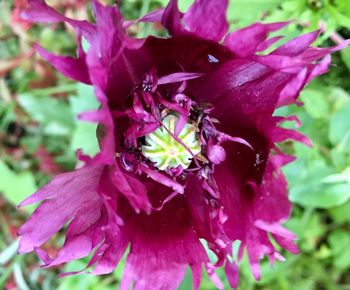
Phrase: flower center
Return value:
(165, 151)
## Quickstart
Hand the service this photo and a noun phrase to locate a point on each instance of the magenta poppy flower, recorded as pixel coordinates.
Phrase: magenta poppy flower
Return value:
(188, 149)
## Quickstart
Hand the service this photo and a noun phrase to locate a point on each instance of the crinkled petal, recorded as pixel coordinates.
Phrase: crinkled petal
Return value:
(291, 91)
(80, 236)
(268, 42)
(207, 19)
(104, 237)
(162, 245)
(132, 188)
(315, 53)
(39, 11)
(112, 56)
(271, 194)
(171, 18)
(153, 16)
(105, 130)
(162, 179)
(74, 68)
(278, 134)
(254, 210)
(281, 63)
(177, 77)
(242, 92)
(231, 270)
(245, 42)
(297, 45)
(117, 200)
(114, 244)
(58, 197)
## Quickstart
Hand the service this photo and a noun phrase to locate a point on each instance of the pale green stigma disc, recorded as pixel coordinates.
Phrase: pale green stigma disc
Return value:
(165, 152)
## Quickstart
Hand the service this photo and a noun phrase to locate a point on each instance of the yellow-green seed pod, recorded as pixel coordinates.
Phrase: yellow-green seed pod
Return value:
(162, 149)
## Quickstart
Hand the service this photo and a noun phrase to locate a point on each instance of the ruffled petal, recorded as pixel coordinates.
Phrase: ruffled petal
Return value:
(105, 131)
(94, 225)
(297, 45)
(39, 11)
(207, 19)
(152, 17)
(132, 188)
(254, 210)
(171, 18)
(114, 243)
(74, 68)
(245, 42)
(59, 205)
(242, 93)
(268, 42)
(231, 270)
(162, 245)
(112, 56)
(119, 199)
(81, 238)
(314, 53)
(291, 91)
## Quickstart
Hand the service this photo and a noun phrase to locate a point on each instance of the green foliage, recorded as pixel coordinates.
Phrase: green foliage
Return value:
(53, 114)
(15, 186)
(84, 134)
(313, 14)
(339, 131)
(183, 4)
(309, 187)
(314, 177)
(319, 181)
(345, 56)
(242, 13)
(339, 241)
(89, 282)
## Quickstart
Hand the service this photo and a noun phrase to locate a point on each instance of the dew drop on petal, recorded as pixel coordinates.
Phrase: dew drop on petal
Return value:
(212, 59)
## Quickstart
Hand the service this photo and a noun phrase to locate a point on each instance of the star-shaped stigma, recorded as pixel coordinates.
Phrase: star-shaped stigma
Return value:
(162, 149)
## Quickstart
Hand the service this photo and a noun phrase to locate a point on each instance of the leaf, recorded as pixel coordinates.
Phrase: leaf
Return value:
(6, 115)
(8, 253)
(84, 134)
(183, 4)
(55, 40)
(345, 55)
(243, 12)
(339, 242)
(339, 131)
(343, 21)
(340, 96)
(85, 44)
(16, 186)
(75, 282)
(343, 6)
(53, 114)
(339, 177)
(315, 103)
(307, 189)
(249, 11)
(19, 278)
(85, 282)
(321, 196)
(341, 214)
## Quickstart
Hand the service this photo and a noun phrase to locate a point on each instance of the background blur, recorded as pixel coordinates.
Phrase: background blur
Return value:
(39, 135)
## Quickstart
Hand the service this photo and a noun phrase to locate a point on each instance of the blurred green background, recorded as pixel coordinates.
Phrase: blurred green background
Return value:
(39, 134)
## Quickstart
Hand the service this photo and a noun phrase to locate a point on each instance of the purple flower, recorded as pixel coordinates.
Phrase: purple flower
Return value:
(187, 145)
